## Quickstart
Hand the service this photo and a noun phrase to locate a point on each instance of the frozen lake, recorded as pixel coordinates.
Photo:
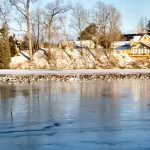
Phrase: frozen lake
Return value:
(95, 115)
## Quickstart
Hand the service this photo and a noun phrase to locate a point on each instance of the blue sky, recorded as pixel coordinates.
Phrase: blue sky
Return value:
(131, 10)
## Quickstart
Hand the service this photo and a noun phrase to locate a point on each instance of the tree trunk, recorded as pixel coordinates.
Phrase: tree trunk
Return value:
(29, 35)
(81, 48)
(65, 32)
(49, 39)
(38, 39)
(49, 35)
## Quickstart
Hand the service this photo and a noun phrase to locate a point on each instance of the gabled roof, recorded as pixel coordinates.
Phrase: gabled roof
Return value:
(130, 36)
(145, 35)
(145, 43)
(137, 38)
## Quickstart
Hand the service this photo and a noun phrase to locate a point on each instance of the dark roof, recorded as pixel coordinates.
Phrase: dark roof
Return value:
(128, 37)
(123, 47)
(134, 34)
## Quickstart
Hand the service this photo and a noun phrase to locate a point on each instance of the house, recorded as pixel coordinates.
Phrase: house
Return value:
(67, 44)
(124, 49)
(119, 43)
(129, 37)
(138, 46)
(121, 46)
(85, 44)
(141, 46)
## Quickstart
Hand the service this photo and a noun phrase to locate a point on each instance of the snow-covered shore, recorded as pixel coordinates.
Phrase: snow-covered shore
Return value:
(73, 72)
(72, 59)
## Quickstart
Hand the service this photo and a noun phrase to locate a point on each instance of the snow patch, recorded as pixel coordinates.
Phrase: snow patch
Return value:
(123, 59)
(70, 59)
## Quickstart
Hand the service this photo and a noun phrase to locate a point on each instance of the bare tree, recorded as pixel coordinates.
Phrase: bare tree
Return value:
(54, 10)
(37, 21)
(114, 31)
(101, 18)
(79, 20)
(62, 21)
(142, 25)
(107, 20)
(4, 11)
(23, 6)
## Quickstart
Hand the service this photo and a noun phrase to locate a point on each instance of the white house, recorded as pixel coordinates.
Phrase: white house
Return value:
(117, 44)
(85, 44)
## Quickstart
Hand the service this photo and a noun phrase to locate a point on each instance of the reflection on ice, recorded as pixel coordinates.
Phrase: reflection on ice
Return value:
(75, 115)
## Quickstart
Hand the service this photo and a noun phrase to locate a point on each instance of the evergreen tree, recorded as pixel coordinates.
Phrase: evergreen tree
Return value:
(12, 43)
(5, 54)
(89, 33)
(148, 27)
(1, 52)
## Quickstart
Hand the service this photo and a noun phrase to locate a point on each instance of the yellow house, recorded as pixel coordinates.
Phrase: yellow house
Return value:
(141, 47)
(137, 47)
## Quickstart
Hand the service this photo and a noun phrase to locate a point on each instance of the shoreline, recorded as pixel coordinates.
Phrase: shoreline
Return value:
(30, 76)
(73, 72)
